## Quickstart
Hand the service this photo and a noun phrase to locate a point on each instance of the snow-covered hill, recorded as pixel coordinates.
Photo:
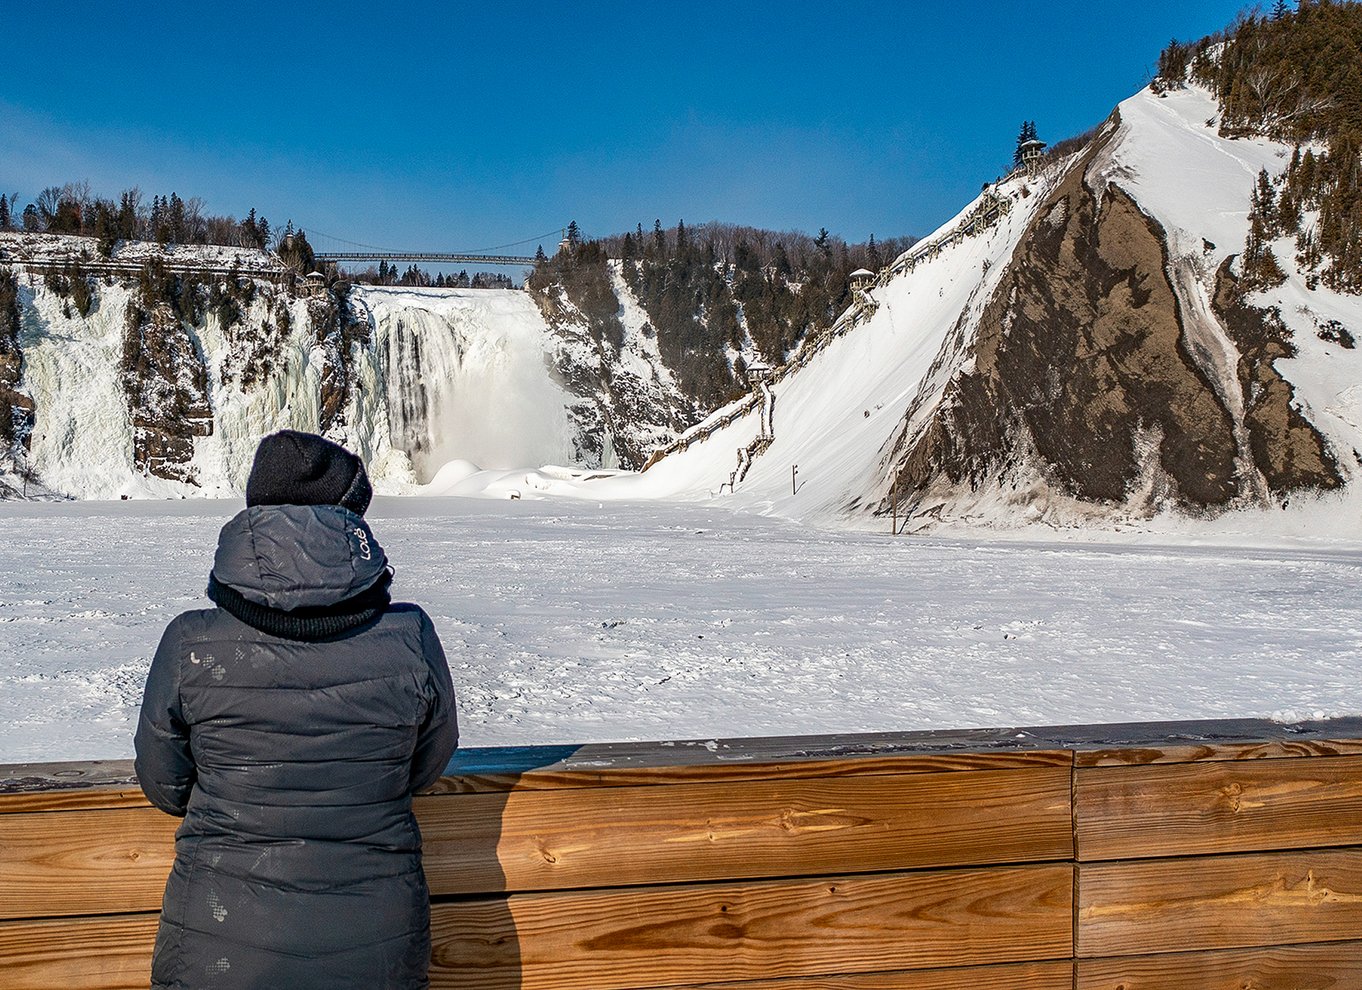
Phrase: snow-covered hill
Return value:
(1085, 361)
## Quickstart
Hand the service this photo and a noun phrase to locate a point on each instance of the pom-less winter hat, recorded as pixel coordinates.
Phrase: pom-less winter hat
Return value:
(293, 468)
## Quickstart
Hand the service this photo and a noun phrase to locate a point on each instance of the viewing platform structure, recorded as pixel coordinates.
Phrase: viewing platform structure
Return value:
(1157, 856)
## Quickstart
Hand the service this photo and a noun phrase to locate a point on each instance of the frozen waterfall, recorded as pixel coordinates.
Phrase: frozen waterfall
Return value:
(466, 378)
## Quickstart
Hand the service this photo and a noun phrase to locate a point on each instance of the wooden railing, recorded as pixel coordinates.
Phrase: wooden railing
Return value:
(1207, 855)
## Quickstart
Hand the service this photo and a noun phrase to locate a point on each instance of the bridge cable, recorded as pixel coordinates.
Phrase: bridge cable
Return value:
(556, 231)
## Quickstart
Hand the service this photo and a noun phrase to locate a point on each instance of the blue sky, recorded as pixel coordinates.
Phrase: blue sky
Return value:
(465, 126)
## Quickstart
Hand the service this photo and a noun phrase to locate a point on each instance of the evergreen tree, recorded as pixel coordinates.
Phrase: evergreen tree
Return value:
(539, 256)
(1027, 133)
(106, 227)
(250, 229)
(126, 223)
(5, 220)
(574, 235)
(1265, 202)
(175, 219)
(296, 252)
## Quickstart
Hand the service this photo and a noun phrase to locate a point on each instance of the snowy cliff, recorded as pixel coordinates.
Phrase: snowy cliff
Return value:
(159, 378)
(1088, 358)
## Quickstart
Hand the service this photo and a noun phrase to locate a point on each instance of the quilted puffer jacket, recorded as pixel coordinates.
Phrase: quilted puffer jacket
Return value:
(290, 727)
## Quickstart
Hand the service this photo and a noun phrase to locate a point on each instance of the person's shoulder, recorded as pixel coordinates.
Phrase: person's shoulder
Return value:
(195, 624)
(416, 620)
(409, 610)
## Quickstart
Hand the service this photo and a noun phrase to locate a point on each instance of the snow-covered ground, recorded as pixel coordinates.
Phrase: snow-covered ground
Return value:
(575, 621)
(62, 248)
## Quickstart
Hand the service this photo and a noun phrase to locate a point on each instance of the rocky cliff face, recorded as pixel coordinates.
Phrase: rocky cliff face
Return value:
(625, 401)
(1285, 446)
(1078, 348)
(161, 383)
(164, 380)
(16, 408)
(1093, 370)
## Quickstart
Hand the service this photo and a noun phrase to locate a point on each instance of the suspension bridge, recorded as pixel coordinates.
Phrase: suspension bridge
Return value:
(338, 250)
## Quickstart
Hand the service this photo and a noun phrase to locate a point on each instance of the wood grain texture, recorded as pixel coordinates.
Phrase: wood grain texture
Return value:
(652, 937)
(114, 953)
(493, 780)
(84, 862)
(116, 860)
(1192, 752)
(555, 840)
(63, 786)
(1221, 807)
(1323, 966)
(110, 953)
(1219, 902)
(110, 783)
(1013, 976)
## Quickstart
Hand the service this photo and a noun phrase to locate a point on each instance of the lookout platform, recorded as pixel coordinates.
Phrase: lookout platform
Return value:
(1210, 855)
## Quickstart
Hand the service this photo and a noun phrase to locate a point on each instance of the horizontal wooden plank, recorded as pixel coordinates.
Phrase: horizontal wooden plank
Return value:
(1192, 752)
(1322, 966)
(1055, 975)
(84, 862)
(493, 779)
(28, 787)
(654, 937)
(1221, 807)
(116, 860)
(74, 799)
(1137, 907)
(554, 840)
(109, 953)
(110, 783)
(114, 953)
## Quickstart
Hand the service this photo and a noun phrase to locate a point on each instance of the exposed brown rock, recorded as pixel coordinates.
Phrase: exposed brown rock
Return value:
(16, 408)
(1286, 447)
(1079, 354)
(167, 388)
(339, 330)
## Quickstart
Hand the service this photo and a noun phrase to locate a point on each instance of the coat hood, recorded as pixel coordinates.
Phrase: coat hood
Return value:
(287, 557)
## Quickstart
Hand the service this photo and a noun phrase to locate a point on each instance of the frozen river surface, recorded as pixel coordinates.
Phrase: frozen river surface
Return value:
(571, 622)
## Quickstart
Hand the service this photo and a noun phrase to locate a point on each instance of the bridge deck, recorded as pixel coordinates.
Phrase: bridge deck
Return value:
(425, 256)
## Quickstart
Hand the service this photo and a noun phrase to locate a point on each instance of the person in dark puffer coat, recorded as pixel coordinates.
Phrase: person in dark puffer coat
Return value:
(290, 727)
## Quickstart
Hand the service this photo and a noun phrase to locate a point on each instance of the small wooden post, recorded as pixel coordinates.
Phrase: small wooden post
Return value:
(894, 503)
(794, 470)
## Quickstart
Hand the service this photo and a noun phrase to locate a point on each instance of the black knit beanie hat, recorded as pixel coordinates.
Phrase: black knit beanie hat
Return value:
(293, 468)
